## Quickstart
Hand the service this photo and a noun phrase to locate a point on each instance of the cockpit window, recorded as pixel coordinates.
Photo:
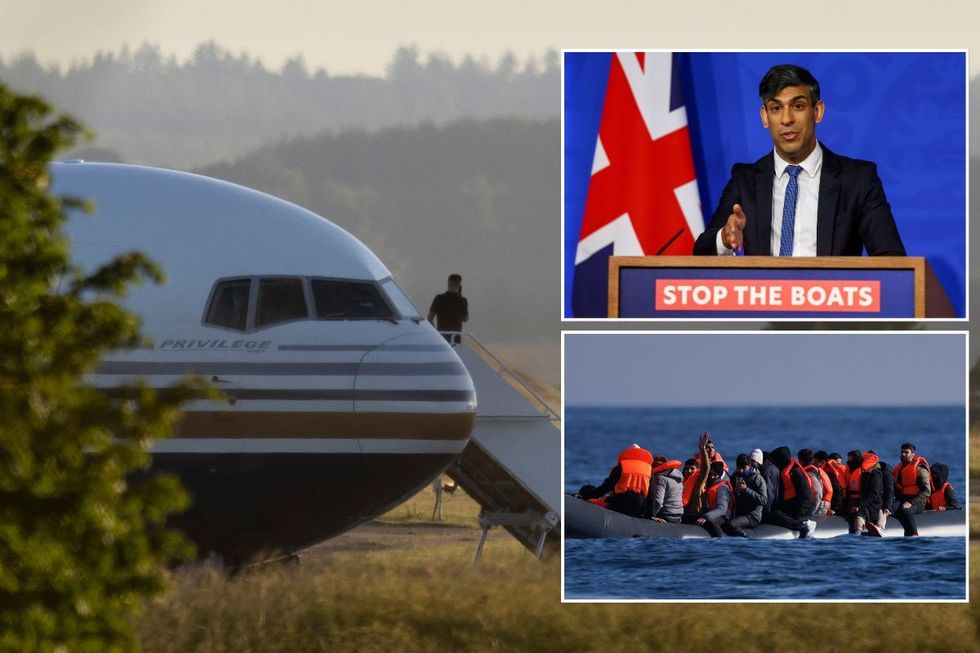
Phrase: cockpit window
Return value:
(400, 299)
(229, 304)
(256, 302)
(280, 299)
(338, 300)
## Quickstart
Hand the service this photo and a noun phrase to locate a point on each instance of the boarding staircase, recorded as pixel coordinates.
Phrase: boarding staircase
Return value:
(511, 466)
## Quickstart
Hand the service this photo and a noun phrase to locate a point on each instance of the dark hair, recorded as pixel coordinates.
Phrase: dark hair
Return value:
(834, 455)
(659, 460)
(718, 467)
(455, 279)
(742, 460)
(820, 455)
(907, 445)
(805, 456)
(784, 75)
(690, 462)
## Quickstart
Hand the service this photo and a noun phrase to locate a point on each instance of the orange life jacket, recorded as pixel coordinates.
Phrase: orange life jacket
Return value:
(839, 470)
(906, 476)
(689, 484)
(666, 467)
(715, 457)
(711, 494)
(789, 490)
(635, 466)
(937, 499)
(601, 501)
(856, 476)
(826, 490)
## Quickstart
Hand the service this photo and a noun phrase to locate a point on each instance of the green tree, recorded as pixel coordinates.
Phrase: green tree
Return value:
(82, 524)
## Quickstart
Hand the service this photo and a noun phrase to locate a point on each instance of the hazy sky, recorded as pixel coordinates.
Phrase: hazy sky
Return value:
(348, 37)
(765, 369)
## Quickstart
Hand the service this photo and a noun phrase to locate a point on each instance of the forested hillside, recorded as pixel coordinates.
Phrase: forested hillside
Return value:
(476, 197)
(145, 107)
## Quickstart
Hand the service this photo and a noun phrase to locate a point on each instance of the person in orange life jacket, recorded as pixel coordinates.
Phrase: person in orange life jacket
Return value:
(887, 497)
(770, 474)
(943, 495)
(628, 482)
(719, 501)
(690, 474)
(795, 501)
(835, 472)
(913, 486)
(750, 497)
(713, 456)
(696, 484)
(665, 499)
(823, 491)
(863, 494)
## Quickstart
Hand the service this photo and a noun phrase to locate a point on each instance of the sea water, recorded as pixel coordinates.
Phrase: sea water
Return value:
(841, 568)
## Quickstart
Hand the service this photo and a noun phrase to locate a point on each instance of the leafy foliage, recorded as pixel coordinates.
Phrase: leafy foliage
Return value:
(82, 540)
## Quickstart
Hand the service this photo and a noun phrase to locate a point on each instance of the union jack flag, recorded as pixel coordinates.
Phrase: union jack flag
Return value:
(643, 193)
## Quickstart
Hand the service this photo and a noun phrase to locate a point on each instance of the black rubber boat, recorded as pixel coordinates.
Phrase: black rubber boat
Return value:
(584, 520)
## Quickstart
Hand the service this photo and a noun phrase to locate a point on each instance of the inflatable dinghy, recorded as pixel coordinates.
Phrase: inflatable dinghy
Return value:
(584, 520)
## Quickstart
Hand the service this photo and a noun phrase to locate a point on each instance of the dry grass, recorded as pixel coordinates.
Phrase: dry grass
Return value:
(458, 509)
(434, 599)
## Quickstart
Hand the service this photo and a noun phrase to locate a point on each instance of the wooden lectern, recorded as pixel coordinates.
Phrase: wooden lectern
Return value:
(763, 287)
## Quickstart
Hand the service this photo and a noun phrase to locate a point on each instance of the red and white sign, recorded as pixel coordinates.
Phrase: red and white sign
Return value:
(767, 295)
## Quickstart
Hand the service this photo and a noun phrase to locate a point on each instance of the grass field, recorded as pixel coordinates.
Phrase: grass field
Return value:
(433, 598)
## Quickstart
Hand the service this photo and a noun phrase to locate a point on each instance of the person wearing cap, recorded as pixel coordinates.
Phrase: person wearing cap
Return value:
(750, 497)
(627, 484)
(913, 486)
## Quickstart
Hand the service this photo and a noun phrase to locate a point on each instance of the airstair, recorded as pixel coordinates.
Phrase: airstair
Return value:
(511, 466)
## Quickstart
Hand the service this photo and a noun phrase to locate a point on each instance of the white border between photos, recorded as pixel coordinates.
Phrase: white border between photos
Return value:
(966, 186)
(966, 435)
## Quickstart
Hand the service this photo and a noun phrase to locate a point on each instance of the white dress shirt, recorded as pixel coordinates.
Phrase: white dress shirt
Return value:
(805, 225)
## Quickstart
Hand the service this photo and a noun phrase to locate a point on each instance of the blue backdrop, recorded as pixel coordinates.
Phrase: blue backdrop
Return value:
(904, 111)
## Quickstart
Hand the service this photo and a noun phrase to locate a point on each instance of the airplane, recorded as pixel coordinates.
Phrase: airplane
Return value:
(341, 400)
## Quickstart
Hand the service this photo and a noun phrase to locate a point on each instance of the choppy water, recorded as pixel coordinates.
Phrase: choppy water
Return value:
(839, 568)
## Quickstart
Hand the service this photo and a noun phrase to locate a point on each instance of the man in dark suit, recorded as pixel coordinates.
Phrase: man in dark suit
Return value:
(802, 199)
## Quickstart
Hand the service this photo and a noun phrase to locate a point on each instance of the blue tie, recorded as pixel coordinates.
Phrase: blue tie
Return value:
(789, 212)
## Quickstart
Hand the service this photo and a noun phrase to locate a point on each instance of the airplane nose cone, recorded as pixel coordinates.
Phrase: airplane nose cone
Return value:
(414, 388)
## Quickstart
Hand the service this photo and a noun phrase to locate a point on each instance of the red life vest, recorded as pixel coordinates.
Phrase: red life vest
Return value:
(666, 467)
(789, 490)
(856, 476)
(839, 470)
(689, 483)
(715, 457)
(937, 499)
(711, 494)
(826, 490)
(635, 465)
(906, 476)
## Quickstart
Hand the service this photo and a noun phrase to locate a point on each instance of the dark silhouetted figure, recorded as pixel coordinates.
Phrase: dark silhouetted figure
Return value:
(450, 309)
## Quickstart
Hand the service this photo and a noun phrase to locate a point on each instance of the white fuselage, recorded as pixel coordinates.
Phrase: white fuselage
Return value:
(340, 400)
